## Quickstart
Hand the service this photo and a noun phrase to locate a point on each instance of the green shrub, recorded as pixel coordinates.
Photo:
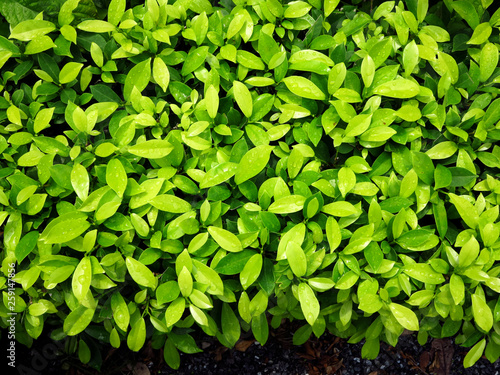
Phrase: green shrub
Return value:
(174, 166)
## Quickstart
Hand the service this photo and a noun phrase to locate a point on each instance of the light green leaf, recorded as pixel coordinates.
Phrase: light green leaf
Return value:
(141, 274)
(251, 271)
(225, 239)
(333, 233)
(31, 29)
(339, 209)
(481, 34)
(137, 77)
(230, 325)
(121, 314)
(218, 174)
(153, 149)
(116, 177)
(78, 320)
(137, 335)
(347, 180)
(212, 101)
(442, 150)
(367, 70)
(96, 26)
(296, 259)
(488, 61)
(399, 88)
(457, 288)
(243, 98)
(474, 354)
(170, 203)
(482, 312)
(161, 73)
(308, 303)
(69, 72)
(404, 316)
(288, 204)
(424, 273)
(80, 181)
(116, 9)
(252, 163)
(82, 278)
(303, 87)
(466, 210)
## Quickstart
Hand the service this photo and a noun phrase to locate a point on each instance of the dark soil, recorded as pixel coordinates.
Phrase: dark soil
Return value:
(327, 355)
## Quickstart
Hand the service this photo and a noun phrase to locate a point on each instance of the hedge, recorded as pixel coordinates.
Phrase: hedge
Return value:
(171, 167)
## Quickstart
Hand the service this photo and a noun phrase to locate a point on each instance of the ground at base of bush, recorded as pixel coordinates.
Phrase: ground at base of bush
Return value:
(327, 355)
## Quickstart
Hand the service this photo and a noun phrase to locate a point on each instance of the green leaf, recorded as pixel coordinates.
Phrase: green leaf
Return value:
(65, 228)
(225, 239)
(400, 88)
(141, 274)
(31, 29)
(404, 316)
(296, 259)
(82, 278)
(170, 203)
(137, 77)
(410, 57)
(161, 73)
(243, 98)
(251, 271)
(212, 101)
(69, 72)
(422, 164)
(252, 163)
(26, 245)
(474, 354)
(167, 292)
(488, 61)
(466, 210)
(78, 320)
(153, 149)
(442, 177)
(230, 325)
(424, 273)
(96, 26)
(194, 60)
(367, 70)
(116, 177)
(297, 9)
(288, 204)
(308, 303)
(414, 238)
(461, 176)
(120, 310)
(303, 87)
(137, 335)
(116, 9)
(467, 11)
(457, 288)
(218, 174)
(481, 34)
(442, 150)
(171, 355)
(340, 209)
(333, 233)
(408, 184)
(175, 311)
(233, 263)
(185, 282)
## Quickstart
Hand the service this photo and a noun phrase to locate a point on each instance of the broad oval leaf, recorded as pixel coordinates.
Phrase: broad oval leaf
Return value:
(141, 274)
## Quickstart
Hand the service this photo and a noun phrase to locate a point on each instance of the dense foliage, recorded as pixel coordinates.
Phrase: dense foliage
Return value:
(167, 167)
